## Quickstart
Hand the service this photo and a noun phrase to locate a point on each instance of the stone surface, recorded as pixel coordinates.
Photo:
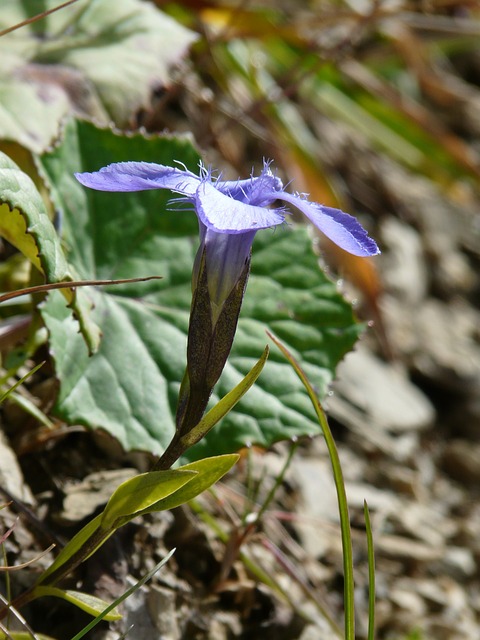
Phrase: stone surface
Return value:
(82, 499)
(374, 396)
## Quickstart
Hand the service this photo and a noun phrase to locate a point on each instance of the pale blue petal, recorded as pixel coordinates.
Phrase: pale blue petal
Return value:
(223, 214)
(140, 176)
(343, 229)
(255, 190)
(226, 257)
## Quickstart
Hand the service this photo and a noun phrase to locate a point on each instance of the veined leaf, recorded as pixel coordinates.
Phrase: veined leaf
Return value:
(24, 222)
(99, 59)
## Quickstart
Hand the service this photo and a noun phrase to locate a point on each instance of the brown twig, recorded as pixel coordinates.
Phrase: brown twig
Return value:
(35, 18)
(71, 285)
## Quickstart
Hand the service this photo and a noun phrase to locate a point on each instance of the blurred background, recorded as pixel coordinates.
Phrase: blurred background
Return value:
(369, 106)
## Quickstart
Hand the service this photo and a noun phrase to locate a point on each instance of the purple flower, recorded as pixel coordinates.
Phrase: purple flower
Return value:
(230, 213)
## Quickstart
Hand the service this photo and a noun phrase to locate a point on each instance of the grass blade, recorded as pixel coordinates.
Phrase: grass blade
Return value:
(341, 494)
(371, 574)
(124, 596)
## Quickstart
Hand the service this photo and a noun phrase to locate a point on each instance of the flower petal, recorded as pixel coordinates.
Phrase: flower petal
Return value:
(226, 257)
(223, 214)
(340, 227)
(255, 190)
(140, 176)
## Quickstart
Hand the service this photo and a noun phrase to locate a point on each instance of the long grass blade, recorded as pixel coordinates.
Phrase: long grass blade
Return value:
(341, 494)
(371, 574)
(124, 596)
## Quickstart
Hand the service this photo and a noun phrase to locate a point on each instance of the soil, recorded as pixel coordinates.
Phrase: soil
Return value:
(405, 412)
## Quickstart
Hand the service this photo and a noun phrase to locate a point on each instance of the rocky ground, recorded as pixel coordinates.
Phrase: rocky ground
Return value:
(406, 422)
(405, 411)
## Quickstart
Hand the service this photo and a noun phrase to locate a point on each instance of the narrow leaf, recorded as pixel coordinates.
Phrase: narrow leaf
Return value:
(349, 585)
(72, 547)
(226, 404)
(371, 573)
(208, 470)
(137, 495)
(5, 395)
(30, 408)
(88, 603)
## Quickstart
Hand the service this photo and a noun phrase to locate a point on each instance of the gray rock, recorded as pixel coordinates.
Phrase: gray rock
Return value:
(161, 605)
(83, 498)
(404, 270)
(447, 348)
(375, 397)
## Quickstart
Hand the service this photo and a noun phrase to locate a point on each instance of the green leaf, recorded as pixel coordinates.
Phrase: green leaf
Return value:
(153, 491)
(225, 405)
(347, 553)
(130, 387)
(138, 494)
(71, 548)
(208, 471)
(133, 497)
(5, 394)
(100, 59)
(24, 222)
(191, 480)
(84, 601)
(371, 572)
(30, 408)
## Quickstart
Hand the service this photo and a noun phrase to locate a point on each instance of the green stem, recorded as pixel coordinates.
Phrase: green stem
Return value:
(371, 574)
(171, 454)
(341, 494)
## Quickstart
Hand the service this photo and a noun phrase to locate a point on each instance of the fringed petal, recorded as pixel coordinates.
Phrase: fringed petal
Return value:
(343, 229)
(140, 176)
(224, 214)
